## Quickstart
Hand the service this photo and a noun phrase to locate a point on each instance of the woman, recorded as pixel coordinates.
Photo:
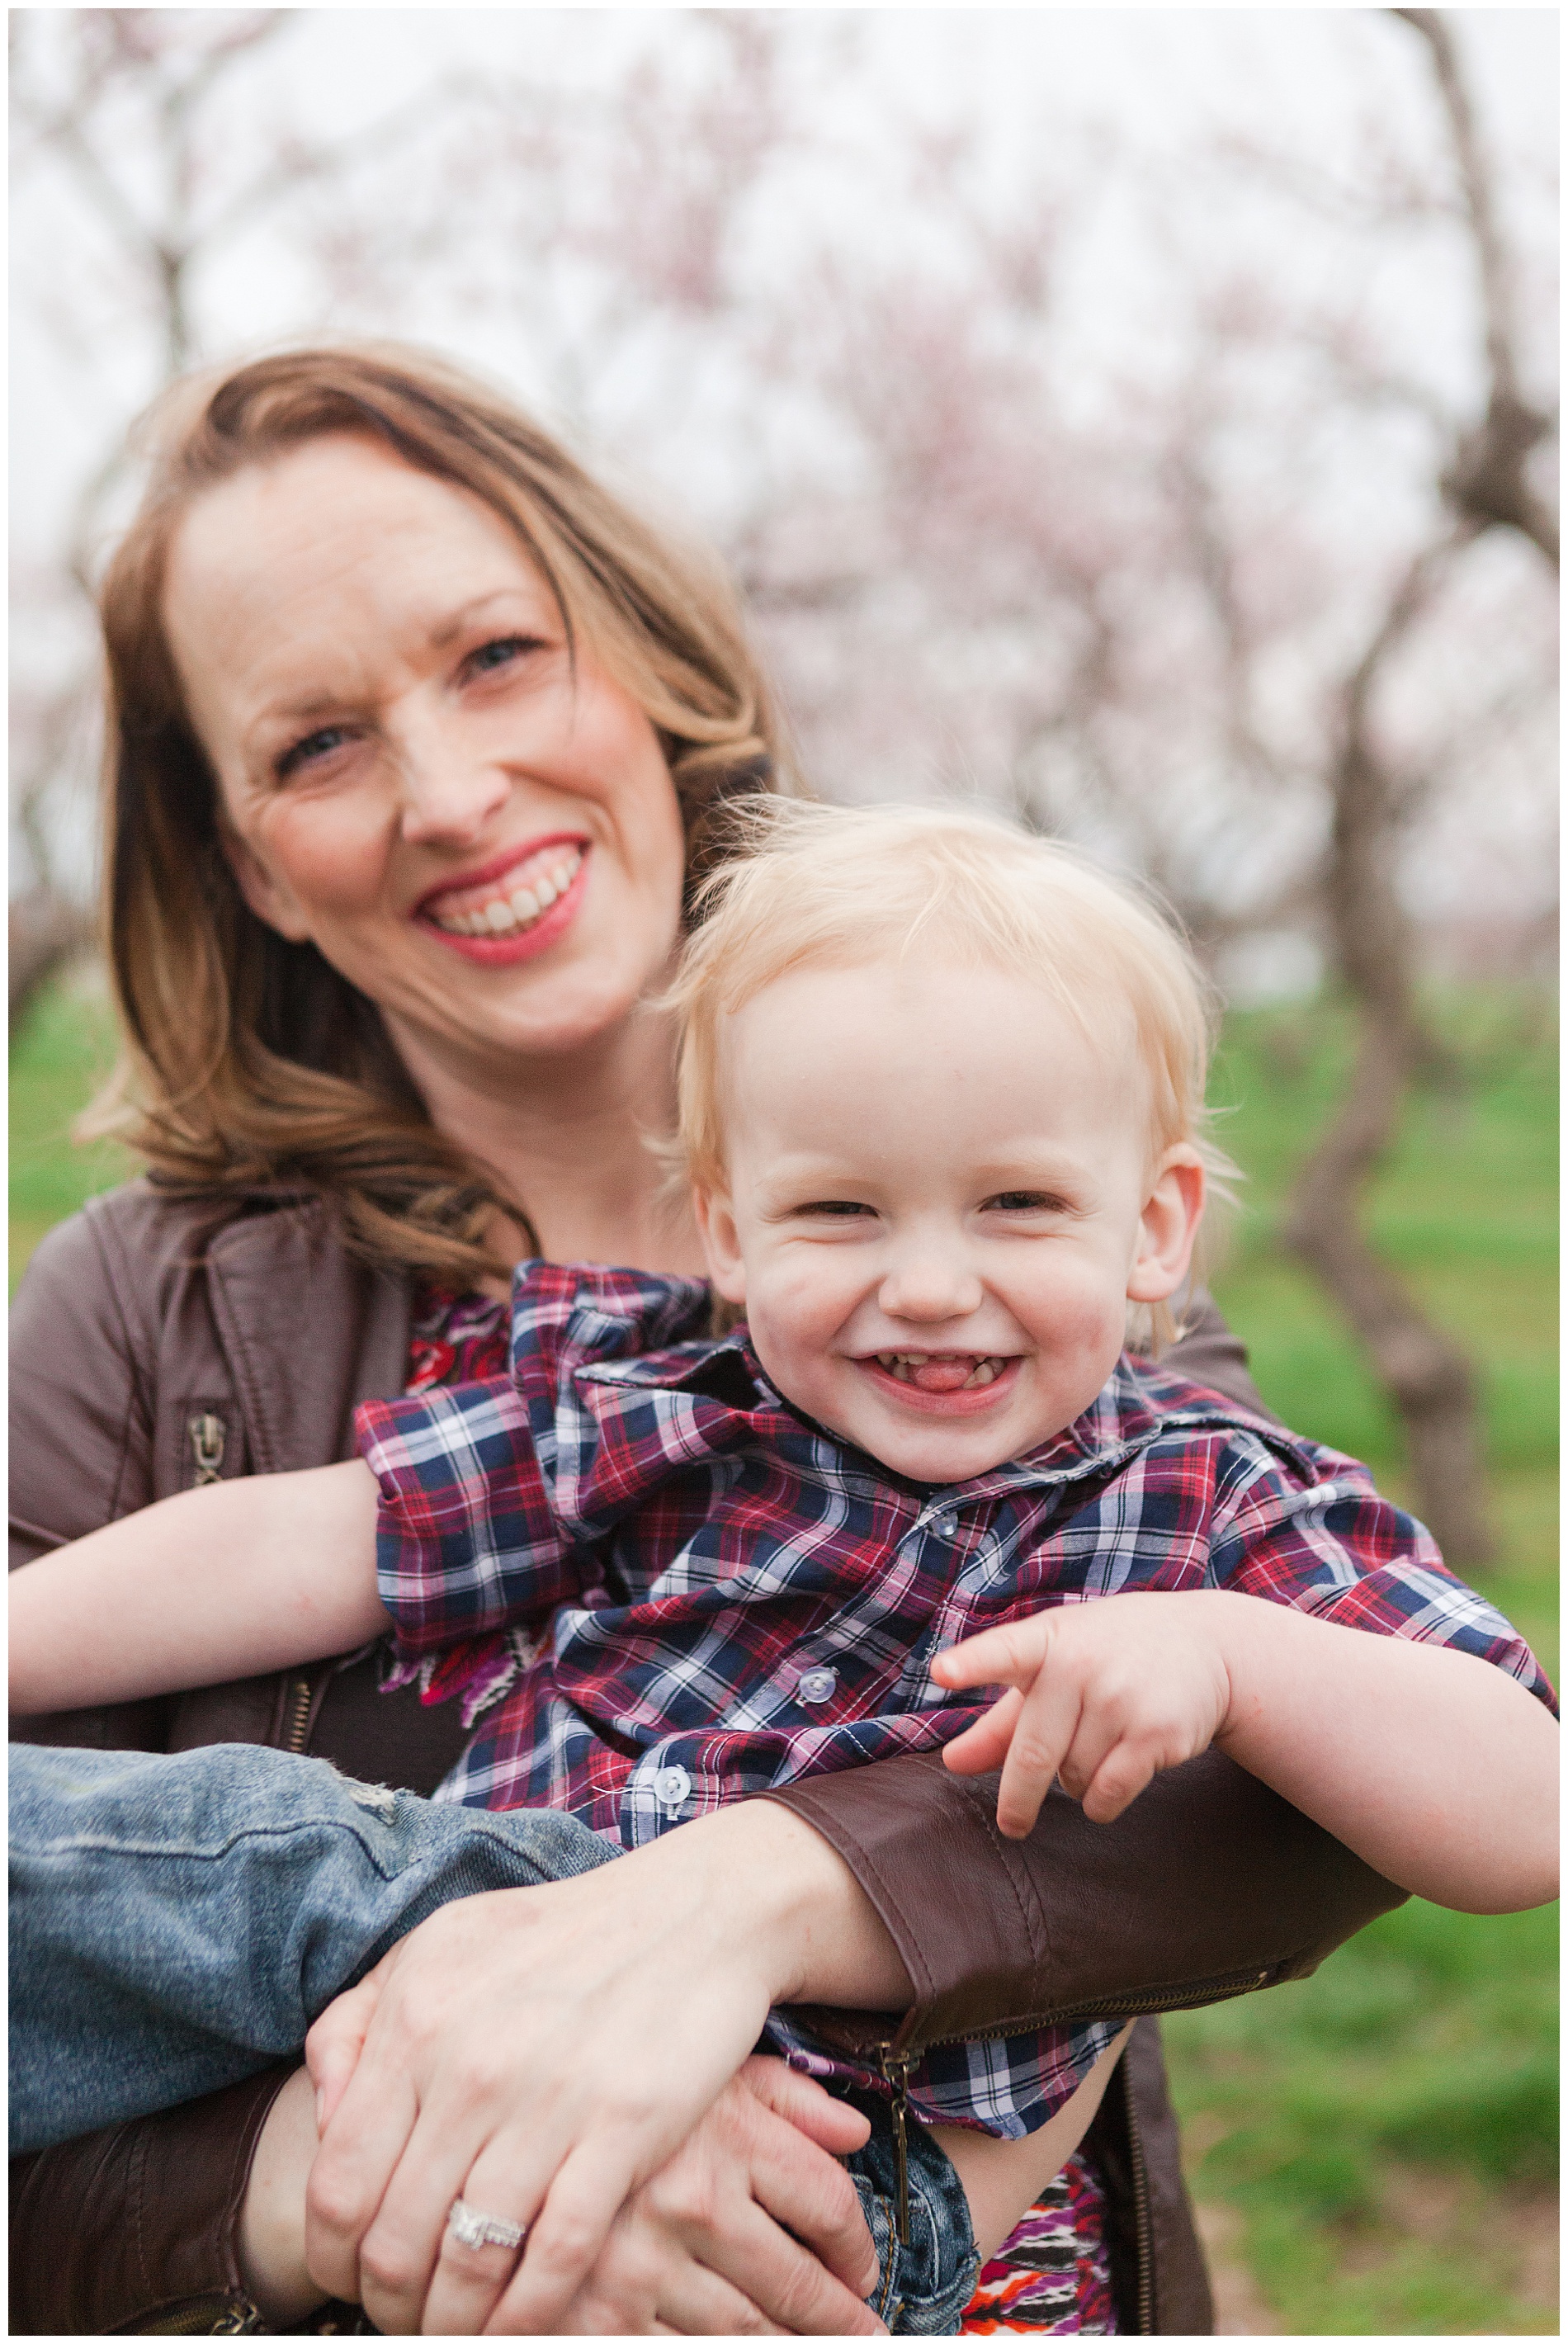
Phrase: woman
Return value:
(416, 736)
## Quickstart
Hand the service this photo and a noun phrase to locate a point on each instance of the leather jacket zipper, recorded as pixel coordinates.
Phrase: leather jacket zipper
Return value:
(208, 1438)
(896, 2070)
(1141, 2225)
(1110, 2005)
(296, 1715)
(207, 2315)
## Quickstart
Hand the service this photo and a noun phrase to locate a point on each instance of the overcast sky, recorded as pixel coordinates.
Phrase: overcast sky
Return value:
(1155, 85)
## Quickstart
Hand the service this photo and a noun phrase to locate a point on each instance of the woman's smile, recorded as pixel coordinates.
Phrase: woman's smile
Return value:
(515, 908)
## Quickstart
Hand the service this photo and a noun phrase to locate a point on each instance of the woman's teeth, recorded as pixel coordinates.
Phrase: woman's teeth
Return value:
(503, 915)
(941, 1371)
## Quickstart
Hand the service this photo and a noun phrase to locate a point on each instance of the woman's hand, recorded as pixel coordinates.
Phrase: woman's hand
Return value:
(543, 2052)
(706, 2247)
(751, 2229)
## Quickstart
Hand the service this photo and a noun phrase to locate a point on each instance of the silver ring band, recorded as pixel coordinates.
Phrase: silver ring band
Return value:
(472, 2228)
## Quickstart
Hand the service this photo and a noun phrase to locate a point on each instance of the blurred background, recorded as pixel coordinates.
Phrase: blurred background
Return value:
(1145, 421)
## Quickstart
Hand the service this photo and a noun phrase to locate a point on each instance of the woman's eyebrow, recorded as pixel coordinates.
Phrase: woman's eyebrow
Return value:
(466, 613)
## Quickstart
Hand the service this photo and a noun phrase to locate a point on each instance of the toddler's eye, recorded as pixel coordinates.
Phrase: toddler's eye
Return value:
(836, 1208)
(1024, 1200)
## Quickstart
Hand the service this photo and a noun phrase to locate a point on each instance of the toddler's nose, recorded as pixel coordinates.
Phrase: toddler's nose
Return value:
(930, 1284)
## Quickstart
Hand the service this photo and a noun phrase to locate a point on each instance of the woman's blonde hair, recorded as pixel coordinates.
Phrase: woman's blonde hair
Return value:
(819, 885)
(249, 1062)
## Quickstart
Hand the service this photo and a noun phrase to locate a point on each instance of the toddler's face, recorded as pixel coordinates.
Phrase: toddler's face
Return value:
(939, 1204)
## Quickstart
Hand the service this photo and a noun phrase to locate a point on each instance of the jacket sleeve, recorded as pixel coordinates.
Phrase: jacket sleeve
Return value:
(80, 1439)
(81, 1431)
(1207, 1885)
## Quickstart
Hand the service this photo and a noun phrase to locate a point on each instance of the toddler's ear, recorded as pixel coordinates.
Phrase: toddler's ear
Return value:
(721, 1242)
(1168, 1227)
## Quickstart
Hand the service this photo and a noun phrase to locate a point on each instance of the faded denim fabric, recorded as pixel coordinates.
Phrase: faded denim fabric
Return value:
(177, 1923)
(926, 2283)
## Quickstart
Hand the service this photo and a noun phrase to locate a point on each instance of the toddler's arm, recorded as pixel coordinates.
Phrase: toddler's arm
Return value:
(230, 1581)
(1438, 1768)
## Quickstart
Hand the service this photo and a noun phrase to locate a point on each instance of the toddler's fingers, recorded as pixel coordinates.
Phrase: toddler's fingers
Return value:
(1129, 1769)
(982, 1746)
(1011, 1655)
(1048, 1720)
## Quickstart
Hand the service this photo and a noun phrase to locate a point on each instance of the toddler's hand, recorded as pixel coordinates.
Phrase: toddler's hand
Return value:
(1102, 1695)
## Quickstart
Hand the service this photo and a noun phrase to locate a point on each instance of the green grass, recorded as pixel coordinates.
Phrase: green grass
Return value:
(1380, 2138)
(64, 1050)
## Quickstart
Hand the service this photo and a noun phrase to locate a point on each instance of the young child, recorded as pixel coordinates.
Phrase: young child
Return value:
(941, 1106)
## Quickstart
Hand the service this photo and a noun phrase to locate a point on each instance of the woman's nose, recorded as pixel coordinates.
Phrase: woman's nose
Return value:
(448, 789)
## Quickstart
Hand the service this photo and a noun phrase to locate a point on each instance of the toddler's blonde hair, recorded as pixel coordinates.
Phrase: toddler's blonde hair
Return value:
(813, 885)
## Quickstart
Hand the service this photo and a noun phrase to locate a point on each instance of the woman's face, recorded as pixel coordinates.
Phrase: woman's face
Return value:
(485, 844)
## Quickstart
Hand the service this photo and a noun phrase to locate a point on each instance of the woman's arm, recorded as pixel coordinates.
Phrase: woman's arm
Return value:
(234, 1580)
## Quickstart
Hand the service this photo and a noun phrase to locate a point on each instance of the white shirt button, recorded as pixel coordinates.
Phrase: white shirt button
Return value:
(944, 1525)
(817, 1684)
(672, 1788)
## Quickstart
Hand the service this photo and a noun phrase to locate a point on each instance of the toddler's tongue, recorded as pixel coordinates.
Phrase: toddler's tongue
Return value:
(942, 1375)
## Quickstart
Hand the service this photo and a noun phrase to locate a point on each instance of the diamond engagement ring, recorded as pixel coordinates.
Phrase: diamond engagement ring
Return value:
(472, 2228)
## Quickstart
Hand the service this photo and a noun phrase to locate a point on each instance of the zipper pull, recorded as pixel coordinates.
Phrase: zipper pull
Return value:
(896, 2073)
(207, 1437)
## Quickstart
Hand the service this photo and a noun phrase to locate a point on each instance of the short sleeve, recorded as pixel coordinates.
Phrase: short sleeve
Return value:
(466, 1538)
(1313, 1533)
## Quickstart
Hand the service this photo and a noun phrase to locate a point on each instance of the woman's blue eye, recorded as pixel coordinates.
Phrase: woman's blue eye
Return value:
(313, 745)
(499, 653)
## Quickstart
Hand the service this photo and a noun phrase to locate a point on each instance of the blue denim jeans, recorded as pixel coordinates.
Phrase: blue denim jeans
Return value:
(177, 1923)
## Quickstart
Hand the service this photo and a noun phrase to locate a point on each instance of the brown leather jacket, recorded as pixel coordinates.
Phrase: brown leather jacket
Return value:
(160, 1342)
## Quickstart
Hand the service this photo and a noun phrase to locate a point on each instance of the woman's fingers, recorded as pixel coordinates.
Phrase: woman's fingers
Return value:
(416, 2275)
(563, 2243)
(350, 2176)
(691, 2302)
(802, 2102)
(333, 2045)
(807, 2197)
(703, 2245)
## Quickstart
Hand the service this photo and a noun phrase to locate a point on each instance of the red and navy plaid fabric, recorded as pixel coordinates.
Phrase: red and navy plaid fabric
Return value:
(658, 1587)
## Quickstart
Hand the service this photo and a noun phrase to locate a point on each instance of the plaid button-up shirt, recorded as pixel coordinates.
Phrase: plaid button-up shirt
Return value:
(657, 1587)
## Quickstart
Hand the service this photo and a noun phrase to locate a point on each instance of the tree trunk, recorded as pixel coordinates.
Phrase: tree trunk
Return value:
(1424, 1373)
(44, 930)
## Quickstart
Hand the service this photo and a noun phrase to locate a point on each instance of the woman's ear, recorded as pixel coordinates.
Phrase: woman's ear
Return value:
(721, 1242)
(1168, 1227)
(267, 896)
